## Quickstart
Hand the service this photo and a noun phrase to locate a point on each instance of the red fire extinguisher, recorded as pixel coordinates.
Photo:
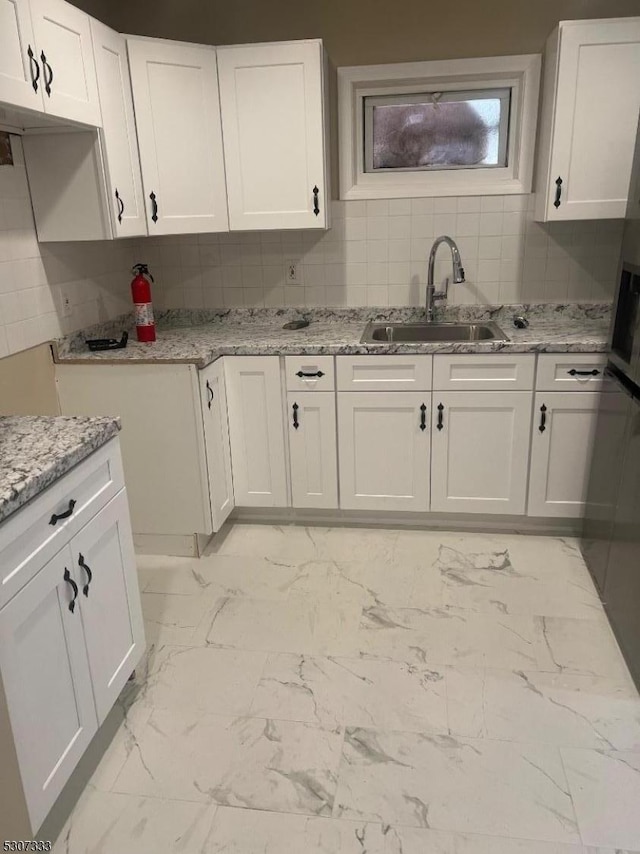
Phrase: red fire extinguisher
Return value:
(141, 293)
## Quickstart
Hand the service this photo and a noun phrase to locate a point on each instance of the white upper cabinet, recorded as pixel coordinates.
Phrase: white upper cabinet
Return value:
(19, 67)
(589, 119)
(273, 116)
(120, 142)
(67, 70)
(175, 93)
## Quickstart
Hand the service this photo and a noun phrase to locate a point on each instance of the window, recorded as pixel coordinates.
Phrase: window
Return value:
(462, 127)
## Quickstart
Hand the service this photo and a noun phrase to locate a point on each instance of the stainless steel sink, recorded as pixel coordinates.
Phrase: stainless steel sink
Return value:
(378, 333)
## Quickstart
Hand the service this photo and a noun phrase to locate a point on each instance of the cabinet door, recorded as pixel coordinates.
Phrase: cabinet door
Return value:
(216, 439)
(595, 120)
(44, 668)
(109, 600)
(480, 451)
(177, 108)
(256, 431)
(564, 426)
(120, 143)
(312, 448)
(384, 450)
(272, 104)
(19, 63)
(68, 72)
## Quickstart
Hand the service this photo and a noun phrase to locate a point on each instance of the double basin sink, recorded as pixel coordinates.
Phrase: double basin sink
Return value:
(415, 333)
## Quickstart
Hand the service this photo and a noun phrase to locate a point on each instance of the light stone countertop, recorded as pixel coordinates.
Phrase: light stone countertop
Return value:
(37, 450)
(200, 336)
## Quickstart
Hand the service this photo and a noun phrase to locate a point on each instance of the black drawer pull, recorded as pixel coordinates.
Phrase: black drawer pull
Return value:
(296, 423)
(440, 425)
(312, 374)
(210, 395)
(543, 418)
(57, 516)
(87, 569)
(574, 373)
(557, 203)
(120, 205)
(74, 587)
(423, 417)
(45, 67)
(33, 63)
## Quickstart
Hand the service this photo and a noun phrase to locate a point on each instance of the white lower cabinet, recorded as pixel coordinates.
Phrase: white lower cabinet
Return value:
(47, 684)
(312, 449)
(384, 441)
(256, 430)
(480, 450)
(104, 564)
(216, 441)
(563, 433)
(70, 637)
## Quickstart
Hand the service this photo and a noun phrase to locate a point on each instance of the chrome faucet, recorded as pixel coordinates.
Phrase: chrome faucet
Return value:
(458, 273)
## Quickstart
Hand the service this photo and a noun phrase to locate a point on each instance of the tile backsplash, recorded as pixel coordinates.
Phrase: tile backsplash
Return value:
(375, 254)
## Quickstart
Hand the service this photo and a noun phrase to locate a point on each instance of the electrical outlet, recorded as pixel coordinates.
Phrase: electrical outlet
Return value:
(65, 307)
(292, 272)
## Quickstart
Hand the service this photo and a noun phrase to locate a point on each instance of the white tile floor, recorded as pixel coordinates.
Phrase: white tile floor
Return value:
(342, 691)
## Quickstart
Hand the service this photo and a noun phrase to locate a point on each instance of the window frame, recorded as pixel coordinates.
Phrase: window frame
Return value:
(521, 74)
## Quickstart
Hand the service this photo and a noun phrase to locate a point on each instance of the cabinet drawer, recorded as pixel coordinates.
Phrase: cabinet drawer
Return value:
(488, 372)
(570, 371)
(309, 373)
(28, 539)
(384, 373)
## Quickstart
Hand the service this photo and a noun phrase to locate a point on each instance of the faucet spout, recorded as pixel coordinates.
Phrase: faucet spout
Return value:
(458, 272)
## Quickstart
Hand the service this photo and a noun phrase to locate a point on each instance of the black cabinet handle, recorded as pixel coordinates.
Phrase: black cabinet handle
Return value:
(543, 418)
(209, 394)
(423, 417)
(57, 516)
(33, 64)
(313, 374)
(296, 423)
(87, 569)
(556, 204)
(440, 424)
(316, 207)
(74, 587)
(154, 206)
(575, 373)
(120, 205)
(47, 80)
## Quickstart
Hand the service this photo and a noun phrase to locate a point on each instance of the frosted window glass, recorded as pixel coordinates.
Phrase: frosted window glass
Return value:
(420, 132)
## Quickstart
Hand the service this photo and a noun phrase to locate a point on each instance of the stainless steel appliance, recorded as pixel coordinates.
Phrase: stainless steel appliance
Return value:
(611, 532)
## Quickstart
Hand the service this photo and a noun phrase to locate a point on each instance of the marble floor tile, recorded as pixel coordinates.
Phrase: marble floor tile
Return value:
(224, 575)
(283, 766)
(218, 681)
(367, 582)
(287, 544)
(463, 785)
(303, 624)
(605, 787)
(438, 636)
(579, 646)
(111, 823)
(173, 619)
(352, 692)
(498, 581)
(564, 709)
(242, 831)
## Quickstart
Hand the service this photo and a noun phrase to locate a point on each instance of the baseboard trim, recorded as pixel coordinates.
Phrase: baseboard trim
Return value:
(416, 521)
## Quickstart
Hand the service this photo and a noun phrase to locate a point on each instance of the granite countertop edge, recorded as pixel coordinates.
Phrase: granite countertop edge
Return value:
(200, 336)
(35, 451)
